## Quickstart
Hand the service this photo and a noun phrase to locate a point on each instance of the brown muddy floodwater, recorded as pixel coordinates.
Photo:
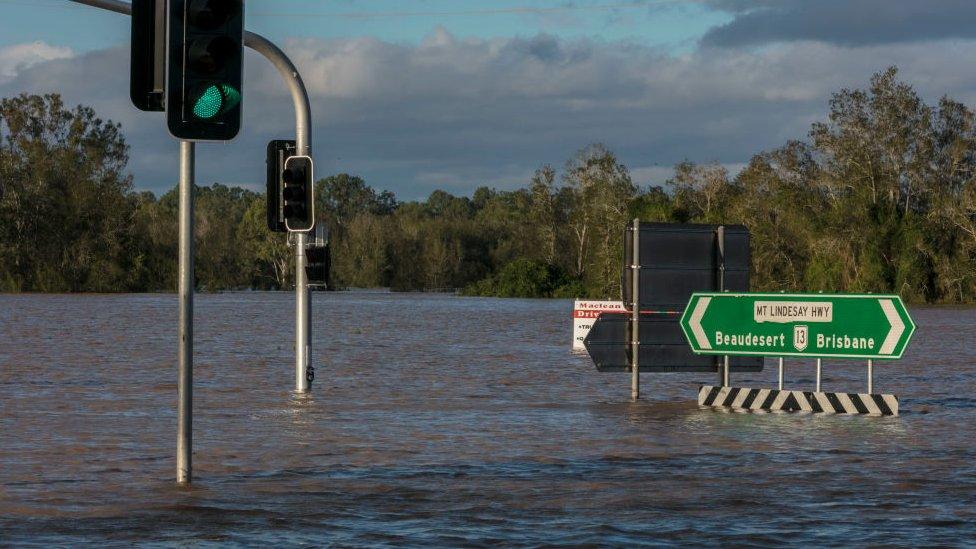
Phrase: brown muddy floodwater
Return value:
(439, 420)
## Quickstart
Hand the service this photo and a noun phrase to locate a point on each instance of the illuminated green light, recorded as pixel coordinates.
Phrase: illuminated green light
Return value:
(215, 100)
(209, 104)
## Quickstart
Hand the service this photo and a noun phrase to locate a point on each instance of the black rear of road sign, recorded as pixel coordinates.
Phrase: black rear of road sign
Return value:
(676, 260)
(679, 259)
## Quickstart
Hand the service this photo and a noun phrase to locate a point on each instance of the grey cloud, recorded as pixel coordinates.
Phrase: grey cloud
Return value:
(845, 22)
(17, 57)
(456, 114)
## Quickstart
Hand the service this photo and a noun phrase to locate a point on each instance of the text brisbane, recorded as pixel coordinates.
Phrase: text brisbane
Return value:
(823, 341)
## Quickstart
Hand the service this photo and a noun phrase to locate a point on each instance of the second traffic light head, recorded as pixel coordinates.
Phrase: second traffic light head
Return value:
(297, 194)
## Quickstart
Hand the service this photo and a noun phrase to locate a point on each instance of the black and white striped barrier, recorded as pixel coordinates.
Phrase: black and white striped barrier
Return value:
(742, 398)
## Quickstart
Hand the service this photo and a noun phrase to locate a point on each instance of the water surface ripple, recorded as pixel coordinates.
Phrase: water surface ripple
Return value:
(452, 421)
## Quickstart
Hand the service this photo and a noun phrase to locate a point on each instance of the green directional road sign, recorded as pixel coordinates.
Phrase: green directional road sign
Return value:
(804, 325)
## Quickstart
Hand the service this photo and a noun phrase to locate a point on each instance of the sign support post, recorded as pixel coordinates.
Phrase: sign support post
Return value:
(724, 375)
(780, 373)
(184, 387)
(635, 315)
(819, 370)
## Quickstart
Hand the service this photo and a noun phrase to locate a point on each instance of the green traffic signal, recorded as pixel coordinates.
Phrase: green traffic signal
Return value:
(209, 104)
(204, 78)
(215, 100)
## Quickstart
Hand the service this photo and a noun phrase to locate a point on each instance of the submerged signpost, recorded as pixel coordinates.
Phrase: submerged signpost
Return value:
(688, 309)
(818, 326)
(664, 264)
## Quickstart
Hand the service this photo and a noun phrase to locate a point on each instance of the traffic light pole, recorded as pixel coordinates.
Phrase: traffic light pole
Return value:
(184, 390)
(303, 317)
(303, 147)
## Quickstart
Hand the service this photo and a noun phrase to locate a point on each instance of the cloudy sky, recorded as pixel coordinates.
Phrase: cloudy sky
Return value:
(416, 95)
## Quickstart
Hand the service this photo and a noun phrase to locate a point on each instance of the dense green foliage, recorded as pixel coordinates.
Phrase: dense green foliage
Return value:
(881, 197)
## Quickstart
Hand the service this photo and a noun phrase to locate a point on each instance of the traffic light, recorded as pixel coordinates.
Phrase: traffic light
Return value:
(278, 151)
(147, 76)
(297, 197)
(317, 261)
(204, 72)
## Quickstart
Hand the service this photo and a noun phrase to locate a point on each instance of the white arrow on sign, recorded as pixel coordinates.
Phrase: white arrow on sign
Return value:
(897, 327)
(695, 322)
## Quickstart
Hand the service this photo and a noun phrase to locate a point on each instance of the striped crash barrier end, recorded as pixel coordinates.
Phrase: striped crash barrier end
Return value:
(742, 398)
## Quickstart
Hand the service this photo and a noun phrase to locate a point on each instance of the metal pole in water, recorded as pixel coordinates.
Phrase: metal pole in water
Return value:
(303, 147)
(635, 315)
(720, 234)
(184, 387)
(870, 376)
(780, 373)
(302, 307)
(819, 368)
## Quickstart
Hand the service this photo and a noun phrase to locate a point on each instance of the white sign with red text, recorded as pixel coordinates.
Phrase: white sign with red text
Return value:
(584, 315)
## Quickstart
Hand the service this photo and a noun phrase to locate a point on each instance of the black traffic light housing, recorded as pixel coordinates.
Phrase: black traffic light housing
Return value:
(317, 263)
(278, 151)
(297, 194)
(147, 75)
(205, 69)
(318, 258)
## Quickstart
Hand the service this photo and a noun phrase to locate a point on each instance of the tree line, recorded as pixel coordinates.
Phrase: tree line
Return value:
(880, 197)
